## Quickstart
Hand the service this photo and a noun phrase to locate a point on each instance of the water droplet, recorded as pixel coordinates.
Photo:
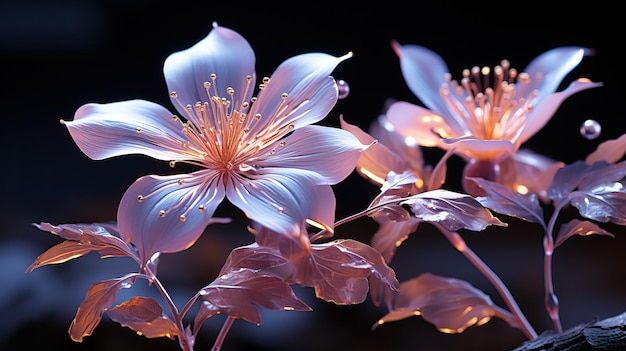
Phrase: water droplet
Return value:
(344, 88)
(590, 129)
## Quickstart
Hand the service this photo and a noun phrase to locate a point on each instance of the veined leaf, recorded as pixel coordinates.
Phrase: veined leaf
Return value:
(603, 203)
(452, 305)
(239, 292)
(145, 316)
(578, 227)
(81, 239)
(100, 296)
(506, 201)
(452, 210)
(339, 271)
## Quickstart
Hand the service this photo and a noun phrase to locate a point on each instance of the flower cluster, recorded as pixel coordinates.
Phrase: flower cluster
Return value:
(257, 143)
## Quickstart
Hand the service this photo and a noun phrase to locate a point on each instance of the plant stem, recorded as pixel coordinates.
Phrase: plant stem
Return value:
(457, 241)
(182, 340)
(551, 300)
(222, 335)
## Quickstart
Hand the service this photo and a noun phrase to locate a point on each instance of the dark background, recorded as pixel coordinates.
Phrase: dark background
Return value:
(58, 55)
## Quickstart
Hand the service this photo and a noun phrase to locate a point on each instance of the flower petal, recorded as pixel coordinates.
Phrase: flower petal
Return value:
(377, 161)
(127, 127)
(424, 126)
(328, 151)
(472, 148)
(552, 66)
(424, 72)
(282, 200)
(141, 223)
(405, 149)
(311, 92)
(223, 52)
(543, 112)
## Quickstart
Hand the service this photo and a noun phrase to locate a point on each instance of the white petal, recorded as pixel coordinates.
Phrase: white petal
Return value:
(282, 201)
(311, 92)
(378, 160)
(553, 66)
(542, 113)
(141, 223)
(424, 126)
(223, 52)
(424, 72)
(327, 151)
(127, 127)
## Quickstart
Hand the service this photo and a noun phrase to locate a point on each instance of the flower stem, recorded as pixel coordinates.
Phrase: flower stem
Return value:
(457, 241)
(551, 300)
(182, 340)
(222, 335)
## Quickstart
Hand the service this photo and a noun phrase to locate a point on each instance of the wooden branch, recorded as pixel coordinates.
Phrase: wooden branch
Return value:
(606, 335)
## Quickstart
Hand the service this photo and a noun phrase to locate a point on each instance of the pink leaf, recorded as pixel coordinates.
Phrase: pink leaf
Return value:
(452, 305)
(390, 210)
(506, 201)
(578, 227)
(81, 239)
(452, 210)
(256, 257)
(239, 292)
(338, 271)
(396, 186)
(390, 236)
(60, 253)
(100, 296)
(144, 316)
(292, 247)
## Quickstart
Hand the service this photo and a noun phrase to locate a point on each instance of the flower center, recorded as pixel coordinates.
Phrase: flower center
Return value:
(224, 133)
(491, 104)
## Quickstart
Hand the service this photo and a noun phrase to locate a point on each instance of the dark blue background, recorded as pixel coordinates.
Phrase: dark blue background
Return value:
(58, 55)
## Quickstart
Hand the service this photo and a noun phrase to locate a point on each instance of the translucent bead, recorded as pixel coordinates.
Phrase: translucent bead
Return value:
(590, 129)
(344, 88)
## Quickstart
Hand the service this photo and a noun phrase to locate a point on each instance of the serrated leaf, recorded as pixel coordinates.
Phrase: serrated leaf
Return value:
(60, 253)
(506, 201)
(602, 173)
(391, 234)
(81, 239)
(390, 211)
(401, 184)
(144, 316)
(100, 296)
(567, 178)
(578, 227)
(259, 258)
(452, 305)
(602, 204)
(239, 292)
(452, 210)
(290, 247)
(339, 271)
(396, 186)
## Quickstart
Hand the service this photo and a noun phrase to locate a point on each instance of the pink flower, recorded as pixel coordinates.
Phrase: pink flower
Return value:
(260, 152)
(488, 115)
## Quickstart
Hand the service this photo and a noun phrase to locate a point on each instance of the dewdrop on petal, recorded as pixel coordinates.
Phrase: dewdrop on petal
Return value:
(344, 88)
